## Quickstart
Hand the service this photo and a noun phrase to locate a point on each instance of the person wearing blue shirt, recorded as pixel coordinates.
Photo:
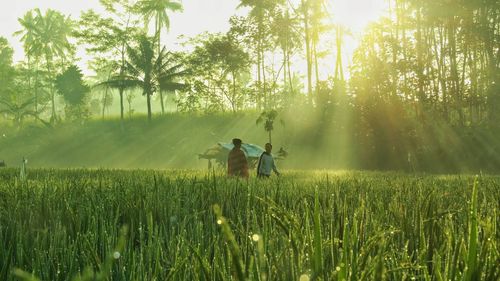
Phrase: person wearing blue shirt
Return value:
(266, 163)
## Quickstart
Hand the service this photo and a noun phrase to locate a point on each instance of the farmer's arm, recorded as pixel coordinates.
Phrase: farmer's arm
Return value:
(274, 167)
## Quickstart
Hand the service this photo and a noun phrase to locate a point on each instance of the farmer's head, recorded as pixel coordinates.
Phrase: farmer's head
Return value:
(237, 143)
(269, 147)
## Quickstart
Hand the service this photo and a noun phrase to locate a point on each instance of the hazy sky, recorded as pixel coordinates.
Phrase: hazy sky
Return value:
(198, 16)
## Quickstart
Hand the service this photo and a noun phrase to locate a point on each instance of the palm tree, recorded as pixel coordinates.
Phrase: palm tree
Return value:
(285, 32)
(47, 36)
(53, 31)
(119, 80)
(268, 117)
(139, 70)
(28, 34)
(157, 9)
(27, 38)
(168, 73)
(148, 72)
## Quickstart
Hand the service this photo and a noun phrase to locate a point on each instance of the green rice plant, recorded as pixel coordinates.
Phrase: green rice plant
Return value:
(232, 244)
(323, 225)
(471, 270)
(318, 242)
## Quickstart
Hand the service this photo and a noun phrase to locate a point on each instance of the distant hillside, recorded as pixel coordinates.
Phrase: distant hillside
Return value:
(342, 141)
(172, 141)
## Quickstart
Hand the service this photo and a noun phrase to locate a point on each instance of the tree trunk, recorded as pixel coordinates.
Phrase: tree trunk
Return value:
(148, 99)
(395, 47)
(339, 68)
(29, 82)
(420, 64)
(53, 117)
(259, 81)
(105, 97)
(104, 101)
(266, 98)
(158, 32)
(442, 74)
(162, 105)
(316, 68)
(305, 7)
(284, 71)
(122, 72)
(292, 91)
(234, 92)
(121, 104)
(402, 14)
(35, 88)
(455, 83)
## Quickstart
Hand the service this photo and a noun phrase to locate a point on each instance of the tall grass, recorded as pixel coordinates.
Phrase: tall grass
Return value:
(162, 225)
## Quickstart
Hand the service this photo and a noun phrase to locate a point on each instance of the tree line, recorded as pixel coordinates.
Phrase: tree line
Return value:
(423, 69)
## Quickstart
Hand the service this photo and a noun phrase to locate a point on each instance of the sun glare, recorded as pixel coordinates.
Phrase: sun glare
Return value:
(356, 15)
(353, 14)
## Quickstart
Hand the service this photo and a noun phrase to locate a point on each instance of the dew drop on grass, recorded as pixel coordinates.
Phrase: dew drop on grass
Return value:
(116, 255)
(304, 277)
(255, 237)
(219, 221)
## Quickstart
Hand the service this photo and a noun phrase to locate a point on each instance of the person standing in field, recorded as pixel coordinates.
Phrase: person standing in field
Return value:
(237, 164)
(266, 163)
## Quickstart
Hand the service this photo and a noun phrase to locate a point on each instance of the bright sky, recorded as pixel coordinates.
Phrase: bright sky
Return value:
(198, 16)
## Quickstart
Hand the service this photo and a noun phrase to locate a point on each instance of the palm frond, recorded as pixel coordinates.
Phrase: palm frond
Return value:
(170, 86)
(121, 82)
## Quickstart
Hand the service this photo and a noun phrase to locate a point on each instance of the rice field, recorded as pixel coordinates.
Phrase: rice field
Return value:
(84, 224)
